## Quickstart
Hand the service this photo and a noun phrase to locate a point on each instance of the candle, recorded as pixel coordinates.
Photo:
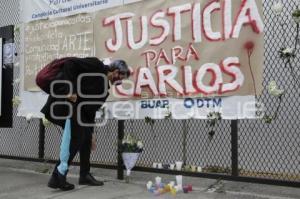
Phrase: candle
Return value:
(172, 166)
(194, 168)
(167, 188)
(185, 189)
(179, 180)
(158, 181)
(190, 187)
(149, 185)
(199, 169)
(154, 165)
(178, 165)
(187, 168)
(159, 165)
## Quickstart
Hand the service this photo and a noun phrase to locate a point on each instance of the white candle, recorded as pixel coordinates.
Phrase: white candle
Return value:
(194, 168)
(172, 166)
(179, 180)
(199, 169)
(158, 181)
(149, 185)
(159, 165)
(154, 165)
(178, 165)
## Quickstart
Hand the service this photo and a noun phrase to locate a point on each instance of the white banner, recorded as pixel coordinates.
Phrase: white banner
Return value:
(32, 103)
(235, 107)
(42, 9)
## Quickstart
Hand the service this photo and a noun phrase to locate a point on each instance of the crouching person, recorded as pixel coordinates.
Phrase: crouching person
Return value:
(68, 106)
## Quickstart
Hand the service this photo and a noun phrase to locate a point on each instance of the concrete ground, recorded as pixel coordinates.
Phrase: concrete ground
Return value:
(22, 180)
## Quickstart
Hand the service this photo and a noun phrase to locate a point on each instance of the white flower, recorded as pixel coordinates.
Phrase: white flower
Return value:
(46, 122)
(128, 140)
(288, 51)
(16, 101)
(277, 8)
(296, 16)
(214, 115)
(149, 185)
(16, 81)
(131, 142)
(273, 90)
(125, 141)
(296, 19)
(140, 144)
(29, 117)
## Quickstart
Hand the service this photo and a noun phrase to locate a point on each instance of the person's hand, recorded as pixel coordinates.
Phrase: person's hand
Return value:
(94, 144)
(72, 98)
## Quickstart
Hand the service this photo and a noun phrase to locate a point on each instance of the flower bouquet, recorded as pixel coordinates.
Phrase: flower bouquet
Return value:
(296, 16)
(130, 149)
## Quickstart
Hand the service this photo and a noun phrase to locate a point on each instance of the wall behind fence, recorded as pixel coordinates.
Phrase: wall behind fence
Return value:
(265, 150)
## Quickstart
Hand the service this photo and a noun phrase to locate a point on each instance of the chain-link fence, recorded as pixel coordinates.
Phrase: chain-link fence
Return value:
(262, 151)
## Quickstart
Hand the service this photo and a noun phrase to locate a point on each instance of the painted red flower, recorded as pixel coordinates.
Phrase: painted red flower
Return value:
(249, 46)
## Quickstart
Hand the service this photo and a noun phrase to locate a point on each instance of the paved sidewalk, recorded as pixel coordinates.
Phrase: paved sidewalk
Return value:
(24, 180)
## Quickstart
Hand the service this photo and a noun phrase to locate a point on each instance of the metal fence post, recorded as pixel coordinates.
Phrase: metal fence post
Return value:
(234, 148)
(184, 141)
(120, 137)
(41, 139)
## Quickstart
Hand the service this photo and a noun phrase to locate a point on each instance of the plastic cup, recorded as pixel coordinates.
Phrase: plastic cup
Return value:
(149, 185)
(199, 169)
(178, 165)
(154, 165)
(159, 165)
(179, 180)
(185, 189)
(172, 166)
(158, 181)
(194, 168)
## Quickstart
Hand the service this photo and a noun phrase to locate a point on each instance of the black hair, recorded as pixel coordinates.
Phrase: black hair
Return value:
(121, 66)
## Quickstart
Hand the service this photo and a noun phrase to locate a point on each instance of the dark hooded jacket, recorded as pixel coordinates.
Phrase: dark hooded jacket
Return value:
(89, 85)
